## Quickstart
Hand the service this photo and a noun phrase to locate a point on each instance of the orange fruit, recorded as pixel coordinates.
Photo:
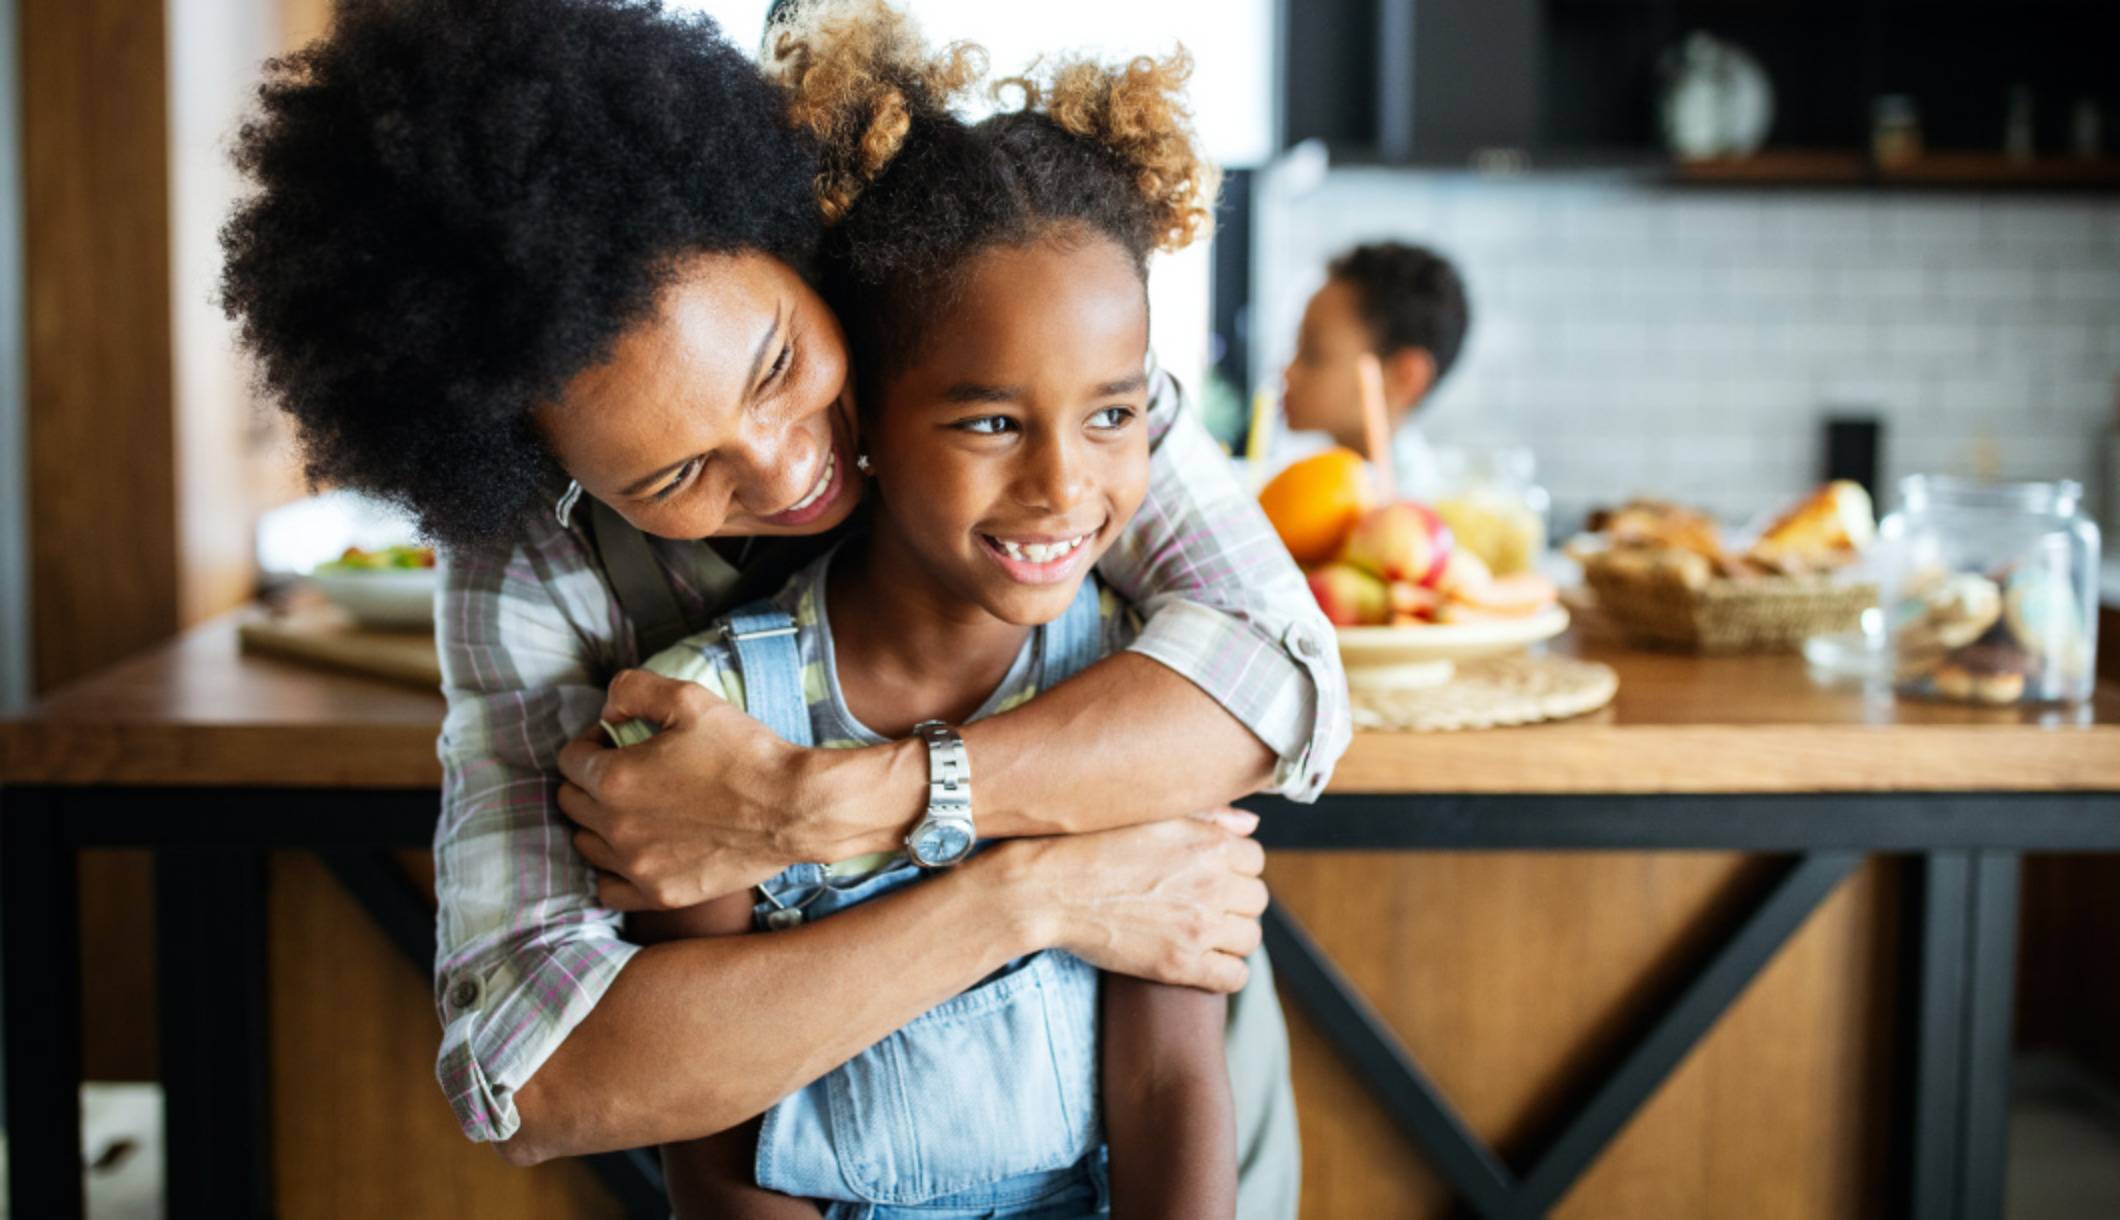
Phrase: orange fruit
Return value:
(1315, 502)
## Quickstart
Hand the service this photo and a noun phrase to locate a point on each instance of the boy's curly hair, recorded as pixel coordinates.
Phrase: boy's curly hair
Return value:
(1409, 296)
(460, 204)
(912, 191)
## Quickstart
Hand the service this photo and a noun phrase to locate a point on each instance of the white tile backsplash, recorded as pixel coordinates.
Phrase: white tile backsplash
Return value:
(1691, 342)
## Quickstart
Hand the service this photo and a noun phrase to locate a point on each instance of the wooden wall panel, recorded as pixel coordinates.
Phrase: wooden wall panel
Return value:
(103, 555)
(360, 1128)
(148, 461)
(2068, 995)
(1505, 973)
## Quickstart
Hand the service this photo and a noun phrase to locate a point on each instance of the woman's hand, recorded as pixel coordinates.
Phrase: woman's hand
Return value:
(706, 807)
(1174, 902)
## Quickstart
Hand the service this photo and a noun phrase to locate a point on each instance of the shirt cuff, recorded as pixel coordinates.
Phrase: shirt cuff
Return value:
(499, 1027)
(1288, 691)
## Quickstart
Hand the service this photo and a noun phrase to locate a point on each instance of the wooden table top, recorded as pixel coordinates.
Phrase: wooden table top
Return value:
(198, 712)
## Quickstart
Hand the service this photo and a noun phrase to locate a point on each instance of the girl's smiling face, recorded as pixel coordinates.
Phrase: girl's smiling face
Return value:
(726, 411)
(1013, 447)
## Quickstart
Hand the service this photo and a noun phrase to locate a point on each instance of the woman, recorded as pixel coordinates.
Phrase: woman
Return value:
(533, 268)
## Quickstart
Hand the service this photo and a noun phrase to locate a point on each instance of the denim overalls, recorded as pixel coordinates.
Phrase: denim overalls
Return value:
(986, 1105)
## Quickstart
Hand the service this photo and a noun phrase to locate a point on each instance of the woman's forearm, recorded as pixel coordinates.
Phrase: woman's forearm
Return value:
(696, 1036)
(1126, 741)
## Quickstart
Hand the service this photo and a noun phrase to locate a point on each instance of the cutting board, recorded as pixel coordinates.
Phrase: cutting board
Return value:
(325, 635)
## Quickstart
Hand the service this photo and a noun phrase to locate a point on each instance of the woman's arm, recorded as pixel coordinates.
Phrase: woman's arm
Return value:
(1169, 1116)
(1235, 676)
(1126, 741)
(697, 1036)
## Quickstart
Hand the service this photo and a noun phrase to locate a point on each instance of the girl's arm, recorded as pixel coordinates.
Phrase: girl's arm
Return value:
(1234, 683)
(1168, 1114)
(697, 1036)
(712, 1178)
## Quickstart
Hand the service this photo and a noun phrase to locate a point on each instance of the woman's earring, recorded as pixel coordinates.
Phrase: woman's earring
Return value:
(564, 510)
(861, 463)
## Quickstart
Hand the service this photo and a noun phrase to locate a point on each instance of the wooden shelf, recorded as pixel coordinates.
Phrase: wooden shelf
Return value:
(1778, 165)
(1998, 170)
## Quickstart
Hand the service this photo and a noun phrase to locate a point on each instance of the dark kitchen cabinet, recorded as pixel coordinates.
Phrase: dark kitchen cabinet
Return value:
(1570, 82)
(1411, 80)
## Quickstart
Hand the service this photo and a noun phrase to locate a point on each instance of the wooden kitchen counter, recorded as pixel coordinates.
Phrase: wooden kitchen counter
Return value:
(1512, 972)
(198, 712)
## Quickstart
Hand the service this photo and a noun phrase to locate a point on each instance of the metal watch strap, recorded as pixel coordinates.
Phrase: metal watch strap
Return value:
(949, 783)
(949, 770)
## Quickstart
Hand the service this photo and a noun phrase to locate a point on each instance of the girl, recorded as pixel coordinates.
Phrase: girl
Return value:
(992, 278)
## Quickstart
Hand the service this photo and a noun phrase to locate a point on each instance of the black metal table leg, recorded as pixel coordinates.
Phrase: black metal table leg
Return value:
(1991, 982)
(39, 886)
(1936, 1099)
(216, 1051)
(1457, 1152)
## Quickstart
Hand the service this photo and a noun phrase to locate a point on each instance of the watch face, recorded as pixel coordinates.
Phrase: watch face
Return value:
(942, 842)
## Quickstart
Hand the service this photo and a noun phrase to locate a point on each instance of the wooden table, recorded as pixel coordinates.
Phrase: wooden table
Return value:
(194, 746)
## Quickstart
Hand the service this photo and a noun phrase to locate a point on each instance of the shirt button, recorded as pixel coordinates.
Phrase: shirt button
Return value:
(1305, 644)
(464, 994)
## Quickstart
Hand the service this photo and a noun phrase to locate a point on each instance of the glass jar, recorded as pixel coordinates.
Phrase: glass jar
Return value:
(1991, 591)
(1490, 499)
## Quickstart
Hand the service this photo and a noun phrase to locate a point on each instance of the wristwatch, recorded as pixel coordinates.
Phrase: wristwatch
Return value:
(943, 836)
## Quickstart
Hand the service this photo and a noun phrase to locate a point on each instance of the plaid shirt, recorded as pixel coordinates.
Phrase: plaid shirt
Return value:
(530, 634)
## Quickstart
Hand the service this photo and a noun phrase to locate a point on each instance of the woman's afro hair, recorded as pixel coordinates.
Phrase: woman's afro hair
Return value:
(460, 204)
(912, 191)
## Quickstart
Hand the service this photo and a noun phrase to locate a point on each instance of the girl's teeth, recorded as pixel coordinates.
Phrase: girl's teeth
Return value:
(1038, 552)
(824, 480)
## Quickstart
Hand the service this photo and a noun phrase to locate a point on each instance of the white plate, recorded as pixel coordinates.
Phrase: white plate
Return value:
(1426, 655)
(382, 597)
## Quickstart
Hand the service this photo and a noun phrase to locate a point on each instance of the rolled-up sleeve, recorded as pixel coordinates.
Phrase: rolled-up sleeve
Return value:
(1224, 604)
(523, 951)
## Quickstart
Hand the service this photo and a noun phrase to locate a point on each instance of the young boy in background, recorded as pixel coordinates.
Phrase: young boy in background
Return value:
(1406, 306)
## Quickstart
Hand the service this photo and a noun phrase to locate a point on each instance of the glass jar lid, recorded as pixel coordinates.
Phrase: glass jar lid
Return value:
(2059, 497)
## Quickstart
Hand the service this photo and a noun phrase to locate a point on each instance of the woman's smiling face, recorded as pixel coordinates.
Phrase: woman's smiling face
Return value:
(1014, 447)
(727, 411)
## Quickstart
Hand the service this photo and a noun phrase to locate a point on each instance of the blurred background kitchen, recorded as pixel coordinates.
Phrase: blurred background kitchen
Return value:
(1716, 251)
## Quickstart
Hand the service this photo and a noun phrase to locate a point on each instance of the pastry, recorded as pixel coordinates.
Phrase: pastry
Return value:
(1946, 612)
(1830, 527)
(1659, 523)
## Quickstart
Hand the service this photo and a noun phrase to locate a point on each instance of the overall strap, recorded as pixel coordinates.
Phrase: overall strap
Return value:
(764, 637)
(643, 592)
(1075, 640)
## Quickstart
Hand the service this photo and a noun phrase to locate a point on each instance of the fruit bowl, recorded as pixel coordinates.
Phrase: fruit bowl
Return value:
(1426, 655)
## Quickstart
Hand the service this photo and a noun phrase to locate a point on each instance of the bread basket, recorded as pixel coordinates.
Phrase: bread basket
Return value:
(1674, 600)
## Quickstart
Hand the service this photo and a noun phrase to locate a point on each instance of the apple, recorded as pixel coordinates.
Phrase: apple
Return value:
(1411, 601)
(1402, 541)
(1465, 575)
(1349, 596)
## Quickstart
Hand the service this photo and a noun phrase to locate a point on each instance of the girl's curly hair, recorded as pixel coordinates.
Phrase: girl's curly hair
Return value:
(911, 190)
(460, 204)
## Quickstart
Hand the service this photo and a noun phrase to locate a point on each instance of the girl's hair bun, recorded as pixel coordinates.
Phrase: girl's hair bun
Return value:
(858, 76)
(1136, 111)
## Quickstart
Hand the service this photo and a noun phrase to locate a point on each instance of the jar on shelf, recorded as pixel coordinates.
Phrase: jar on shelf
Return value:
(1991, 591)
(1895, 131)
(1491, 500)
